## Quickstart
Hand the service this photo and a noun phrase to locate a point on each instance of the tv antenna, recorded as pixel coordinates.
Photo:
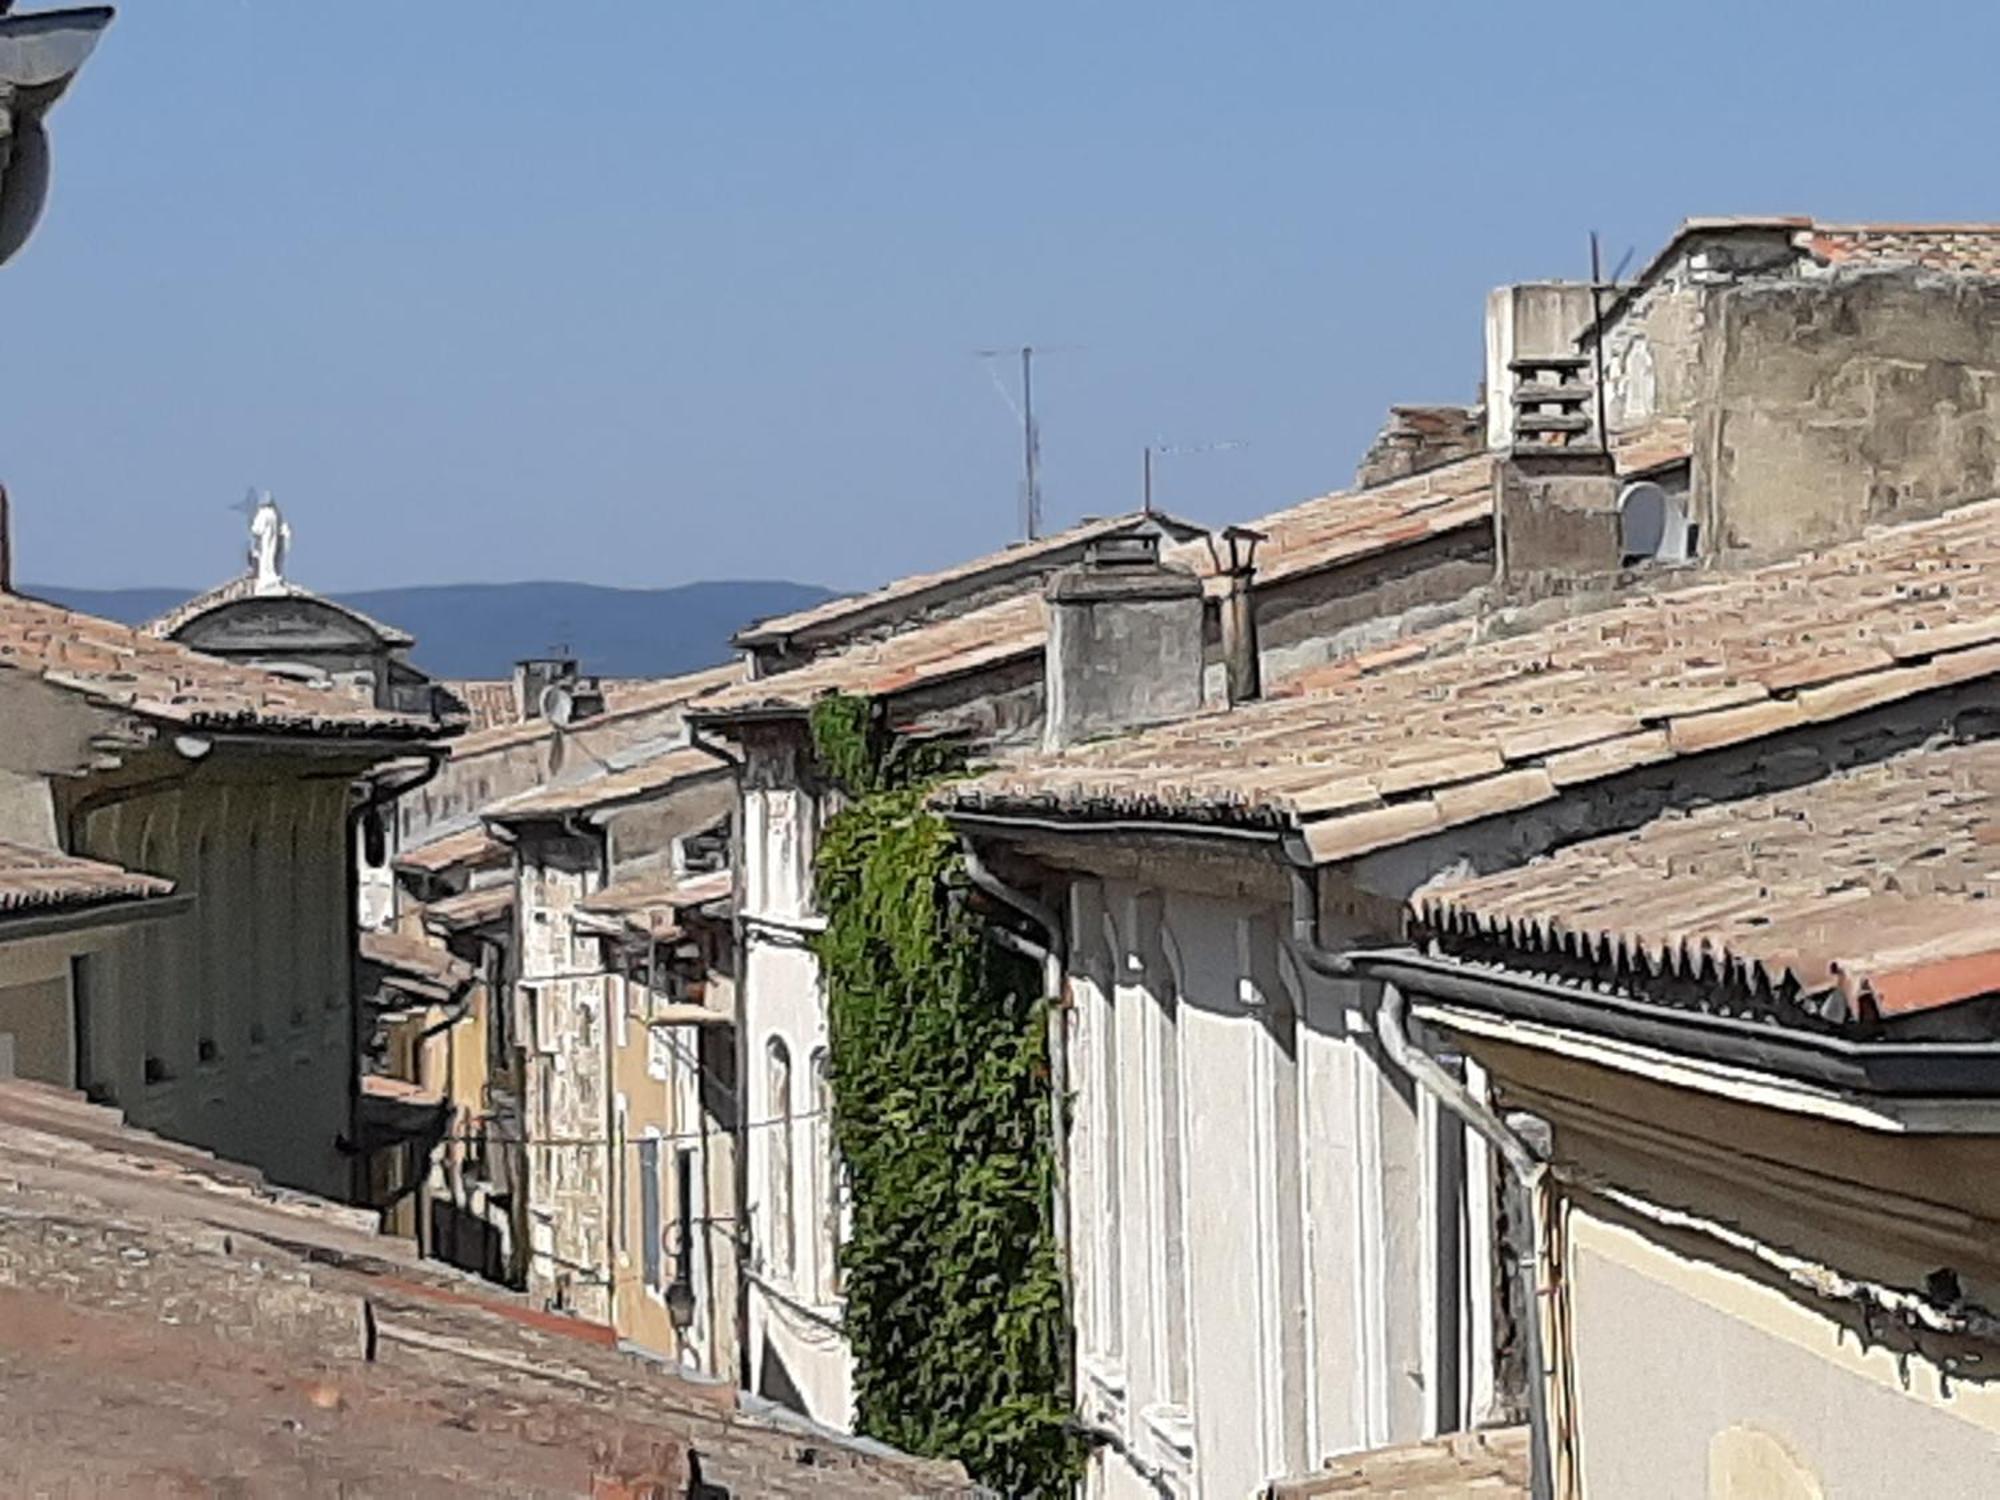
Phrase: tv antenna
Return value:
(1175, 450)
(1031, 432)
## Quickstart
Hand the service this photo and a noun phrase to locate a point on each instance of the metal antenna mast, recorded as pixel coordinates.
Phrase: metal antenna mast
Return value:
(1031, 432)
(1031, 443)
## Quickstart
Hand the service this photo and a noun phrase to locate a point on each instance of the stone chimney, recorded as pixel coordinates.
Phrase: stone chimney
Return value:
(534, 675)
(1555, 499)
(1125, 642)
(1534, 320)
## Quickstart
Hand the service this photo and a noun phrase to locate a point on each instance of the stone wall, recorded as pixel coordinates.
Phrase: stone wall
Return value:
(1847, 399)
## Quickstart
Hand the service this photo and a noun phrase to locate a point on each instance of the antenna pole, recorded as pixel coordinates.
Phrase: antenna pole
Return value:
(1597, 339)
(1147, 506)
(1029, 443)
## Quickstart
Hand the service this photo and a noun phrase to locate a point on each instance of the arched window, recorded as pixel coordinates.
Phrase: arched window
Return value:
(778, 1156)
(1653, 526)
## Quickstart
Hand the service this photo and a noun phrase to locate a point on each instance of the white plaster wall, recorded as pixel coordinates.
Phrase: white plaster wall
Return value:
(792, 1338)
(1303, 1211)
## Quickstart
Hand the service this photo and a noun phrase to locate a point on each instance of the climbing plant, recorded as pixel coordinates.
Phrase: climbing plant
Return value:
(942, 1115)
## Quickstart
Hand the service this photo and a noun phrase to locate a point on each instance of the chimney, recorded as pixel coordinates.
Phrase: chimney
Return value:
(1236, 564)
(1555, 500)
(533, 676)
(1533, 320)
(1125, 641)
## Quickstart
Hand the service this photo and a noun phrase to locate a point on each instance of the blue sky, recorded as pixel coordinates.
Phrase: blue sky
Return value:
(638, 292)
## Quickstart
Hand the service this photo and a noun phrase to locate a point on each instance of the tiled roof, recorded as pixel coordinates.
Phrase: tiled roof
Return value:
(170, 1324)
(415, 963)
(1488, 1465)
(1867, 895)
(473, 847)
(834, 611)
(652, 903)
(656, 773)
(469, 909)
(47, 880)
(1973, 248)
(932, 653)
(1350, 525)
(131, 670)
(1384, 758)
(1325, 532)
(244, 586)
(623, 700)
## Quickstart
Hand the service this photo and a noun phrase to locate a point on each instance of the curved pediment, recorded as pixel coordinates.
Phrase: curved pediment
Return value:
(237, 621)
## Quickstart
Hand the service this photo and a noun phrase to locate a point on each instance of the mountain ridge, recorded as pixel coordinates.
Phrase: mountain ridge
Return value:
(481, 629)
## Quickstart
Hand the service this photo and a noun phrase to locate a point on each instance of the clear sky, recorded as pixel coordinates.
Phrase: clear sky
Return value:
(638, 292)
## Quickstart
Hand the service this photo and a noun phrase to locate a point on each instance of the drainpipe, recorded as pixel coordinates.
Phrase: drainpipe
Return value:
(1054, 959)
(1526, 1165)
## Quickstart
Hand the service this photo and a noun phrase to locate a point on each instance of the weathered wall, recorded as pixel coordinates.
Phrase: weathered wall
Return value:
(1319, 617)
(1555, 523)
(231, 1026)
(566, 1003)
(1842, 400)
(37, 1027)
(1652, 345)
(1124, 650)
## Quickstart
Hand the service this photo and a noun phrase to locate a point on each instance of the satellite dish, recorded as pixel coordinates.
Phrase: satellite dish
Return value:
(558, 705)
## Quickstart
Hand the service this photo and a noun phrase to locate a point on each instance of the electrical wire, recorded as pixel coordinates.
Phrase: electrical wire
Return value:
(634, 1140)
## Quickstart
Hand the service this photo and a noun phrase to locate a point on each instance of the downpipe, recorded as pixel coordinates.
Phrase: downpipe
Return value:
(1523, 1161)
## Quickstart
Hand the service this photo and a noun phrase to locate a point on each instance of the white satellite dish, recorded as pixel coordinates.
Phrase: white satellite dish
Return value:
(558, 705)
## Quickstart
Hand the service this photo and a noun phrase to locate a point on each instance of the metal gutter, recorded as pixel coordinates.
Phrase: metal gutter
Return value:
(1896, 1068)
(115, 912)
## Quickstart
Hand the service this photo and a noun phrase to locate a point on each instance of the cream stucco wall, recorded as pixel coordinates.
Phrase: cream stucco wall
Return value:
(232, 1025)
(1695, 1380)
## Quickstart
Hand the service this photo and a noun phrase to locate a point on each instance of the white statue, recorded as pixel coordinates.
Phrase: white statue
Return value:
(270, 539)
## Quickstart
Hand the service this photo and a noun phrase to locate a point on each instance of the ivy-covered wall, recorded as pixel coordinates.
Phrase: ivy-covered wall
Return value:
(942, 1114)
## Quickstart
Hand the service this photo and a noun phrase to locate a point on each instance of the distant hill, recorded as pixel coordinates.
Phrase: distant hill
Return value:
(481, 629)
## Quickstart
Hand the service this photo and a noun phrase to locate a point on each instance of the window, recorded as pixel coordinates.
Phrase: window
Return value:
(703, 853)
(649, 1209)
(684, 1242)
(778, 1155)
(1653, 526)
(1164, 981)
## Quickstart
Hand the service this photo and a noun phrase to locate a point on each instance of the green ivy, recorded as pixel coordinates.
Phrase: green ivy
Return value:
(940, 1074)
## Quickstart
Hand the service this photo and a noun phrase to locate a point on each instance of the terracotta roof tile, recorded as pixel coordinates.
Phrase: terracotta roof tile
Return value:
(131, 670)
(653, 903)
(473, 847)
(416, 963)
(1704, 666)
(1874, 887)
(47, 880)
(1490, 1465)
(170, 1323)
(469, 909)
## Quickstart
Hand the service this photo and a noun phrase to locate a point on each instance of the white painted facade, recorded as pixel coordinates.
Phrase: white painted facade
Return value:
(795, 1351)
(1265, 1222)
